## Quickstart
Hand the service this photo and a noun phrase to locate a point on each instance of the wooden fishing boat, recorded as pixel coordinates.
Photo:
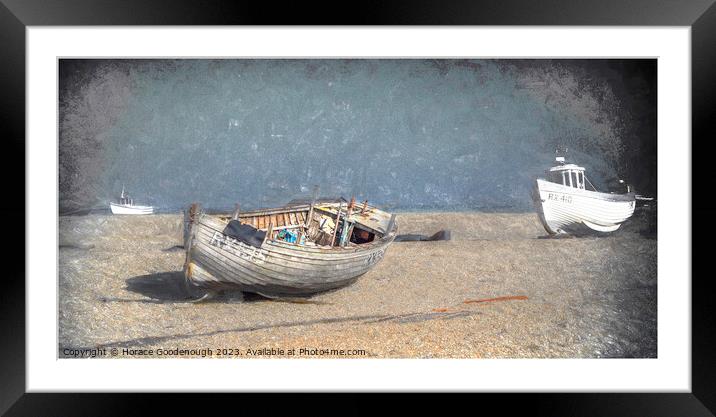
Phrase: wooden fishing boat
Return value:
(126, 206)
(295, 250)
(567, 203)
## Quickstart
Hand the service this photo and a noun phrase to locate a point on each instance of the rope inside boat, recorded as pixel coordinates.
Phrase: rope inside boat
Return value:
(590, 183)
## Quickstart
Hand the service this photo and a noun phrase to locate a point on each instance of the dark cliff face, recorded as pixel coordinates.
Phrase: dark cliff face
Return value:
(406, 134)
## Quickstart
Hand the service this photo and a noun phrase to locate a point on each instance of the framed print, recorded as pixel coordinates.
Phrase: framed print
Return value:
(380, 208)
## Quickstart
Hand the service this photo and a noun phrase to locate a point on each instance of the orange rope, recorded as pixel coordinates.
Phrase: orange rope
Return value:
(487, 300)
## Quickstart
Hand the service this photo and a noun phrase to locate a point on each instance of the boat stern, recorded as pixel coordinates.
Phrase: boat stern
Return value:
(190, 217)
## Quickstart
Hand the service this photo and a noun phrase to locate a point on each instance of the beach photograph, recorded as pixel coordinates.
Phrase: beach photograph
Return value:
(357, 208)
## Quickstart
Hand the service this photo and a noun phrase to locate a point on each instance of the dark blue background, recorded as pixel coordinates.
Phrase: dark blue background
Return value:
(405, 134)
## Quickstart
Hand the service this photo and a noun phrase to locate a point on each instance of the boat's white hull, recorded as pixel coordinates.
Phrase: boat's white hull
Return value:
(564, 209)
(125, 209)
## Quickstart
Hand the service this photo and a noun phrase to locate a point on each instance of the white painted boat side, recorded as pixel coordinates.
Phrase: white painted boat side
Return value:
(126, 209)
(564, 209)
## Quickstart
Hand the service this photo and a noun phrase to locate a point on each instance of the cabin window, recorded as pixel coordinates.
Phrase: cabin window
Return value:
(568, 178)
(556, 177)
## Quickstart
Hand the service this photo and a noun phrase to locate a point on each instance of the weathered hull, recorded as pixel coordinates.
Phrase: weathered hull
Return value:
(563, 209)
(124, 209)
(277, 268)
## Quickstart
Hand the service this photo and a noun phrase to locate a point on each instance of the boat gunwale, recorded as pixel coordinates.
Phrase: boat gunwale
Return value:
(386, 239)
(284, 209)
(307, 251)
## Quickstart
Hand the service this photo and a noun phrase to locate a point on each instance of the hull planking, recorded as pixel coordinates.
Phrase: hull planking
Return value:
(277, 268)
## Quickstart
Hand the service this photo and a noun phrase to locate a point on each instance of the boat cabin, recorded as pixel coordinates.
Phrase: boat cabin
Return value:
(124, 199)
(569, 175)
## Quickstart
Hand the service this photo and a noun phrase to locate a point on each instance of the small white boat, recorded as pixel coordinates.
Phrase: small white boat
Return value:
(126, 206)
(567, 203)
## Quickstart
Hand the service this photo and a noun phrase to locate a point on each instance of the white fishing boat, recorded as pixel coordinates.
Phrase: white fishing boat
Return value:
(126, 206)
(568, 203)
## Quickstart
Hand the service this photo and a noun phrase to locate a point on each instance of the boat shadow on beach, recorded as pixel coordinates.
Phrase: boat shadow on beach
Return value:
(169, 287)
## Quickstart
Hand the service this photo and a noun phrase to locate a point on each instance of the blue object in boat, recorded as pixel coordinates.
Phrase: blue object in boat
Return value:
(287, 236)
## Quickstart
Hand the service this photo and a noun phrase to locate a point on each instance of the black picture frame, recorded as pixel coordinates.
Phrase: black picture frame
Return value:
(16, 15)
